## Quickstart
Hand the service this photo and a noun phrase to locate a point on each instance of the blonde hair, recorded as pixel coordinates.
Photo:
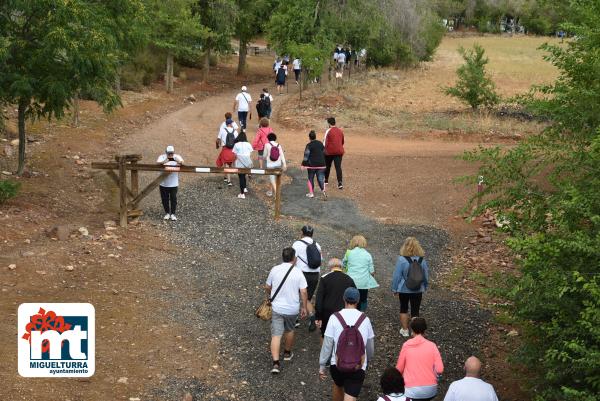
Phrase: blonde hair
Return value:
(264, 122)
(411, 247)
(358, 241)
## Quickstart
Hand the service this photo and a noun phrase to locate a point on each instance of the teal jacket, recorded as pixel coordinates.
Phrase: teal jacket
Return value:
(358, 263)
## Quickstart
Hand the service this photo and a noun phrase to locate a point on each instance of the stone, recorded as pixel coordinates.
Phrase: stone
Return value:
(27, 254)
(41, 272)
(61, 232)
(83, 231)
(485, 239)
(123, 380)
(6, 173)
(109, 223)
(513, 333)
(12, 266)
(69, 268)
(14, 142)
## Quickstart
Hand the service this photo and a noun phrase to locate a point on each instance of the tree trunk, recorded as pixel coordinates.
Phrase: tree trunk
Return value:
(76, 109)
(169, 74)
(242, 59)
(118, 80)
(22, 139)
(206, 67)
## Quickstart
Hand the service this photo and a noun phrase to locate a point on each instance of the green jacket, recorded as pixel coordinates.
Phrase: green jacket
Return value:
(358, 263)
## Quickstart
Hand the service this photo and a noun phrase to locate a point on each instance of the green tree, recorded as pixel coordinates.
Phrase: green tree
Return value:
(51, 51)
(252, 18)
(474, 86)
(548, 188)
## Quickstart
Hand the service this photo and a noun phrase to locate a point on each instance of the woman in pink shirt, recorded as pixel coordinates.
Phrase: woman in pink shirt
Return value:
(420, 363)
(260, 139)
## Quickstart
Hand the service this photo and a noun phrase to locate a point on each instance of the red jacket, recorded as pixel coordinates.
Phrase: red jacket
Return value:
(260, 139)
(334, 142)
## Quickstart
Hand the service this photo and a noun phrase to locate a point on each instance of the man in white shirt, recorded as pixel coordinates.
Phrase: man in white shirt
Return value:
(286, 303)
(168, 186)
(311, 275)
(346, 385)
(296, 65)
(341, 59)
(222, 134)
(471, 387)
(242, 104)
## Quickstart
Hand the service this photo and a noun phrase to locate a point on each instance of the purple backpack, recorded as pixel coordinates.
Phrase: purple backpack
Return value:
(350, 352)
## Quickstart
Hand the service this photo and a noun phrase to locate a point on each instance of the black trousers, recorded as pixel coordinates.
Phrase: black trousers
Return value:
(242, 182)
(168, 195)
(337, 161)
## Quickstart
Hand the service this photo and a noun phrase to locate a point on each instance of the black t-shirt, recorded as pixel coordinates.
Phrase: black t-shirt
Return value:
(330, 294)
(316, 154)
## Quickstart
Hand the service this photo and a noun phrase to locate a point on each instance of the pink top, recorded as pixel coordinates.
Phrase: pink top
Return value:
(260, 140)
(420, 362)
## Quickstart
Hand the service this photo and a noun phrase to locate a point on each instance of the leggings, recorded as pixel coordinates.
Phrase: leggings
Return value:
(169, 195)
(337, 161)
(364, 294)
(320, 173)
(242, 182)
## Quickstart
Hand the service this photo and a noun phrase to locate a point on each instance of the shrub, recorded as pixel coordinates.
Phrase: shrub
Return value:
(8, 189)
(474, 87)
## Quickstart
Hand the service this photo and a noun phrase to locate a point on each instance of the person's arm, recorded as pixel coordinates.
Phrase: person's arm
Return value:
(438, 365)
(283, 162)
(319, 299)
(325, 137)
(370, 348)
(304, 307)
(178, 159)
(161, 159)
(235, 102)
(268, 289)
(370, 264)
(401, 364)
(426, 275)
(326, 352)
(396, 277)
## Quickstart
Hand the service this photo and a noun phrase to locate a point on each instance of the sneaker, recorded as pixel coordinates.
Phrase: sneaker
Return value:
(167, 216)
(225, 180)
(340, 186)
(276, 368)
(269, 193)
(229, 183)
(404, 332)
(242, 196)
(310, 195)
(173, 217)
(245, 190)
(288, 355)
(297, 324)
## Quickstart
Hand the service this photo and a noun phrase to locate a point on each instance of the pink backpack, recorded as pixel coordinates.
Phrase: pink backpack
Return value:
(350, 351)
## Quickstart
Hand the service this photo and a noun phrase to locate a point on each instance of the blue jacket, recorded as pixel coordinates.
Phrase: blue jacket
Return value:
(401, 273)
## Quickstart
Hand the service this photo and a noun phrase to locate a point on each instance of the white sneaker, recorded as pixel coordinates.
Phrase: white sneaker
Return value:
(310, 195)
(167, 216)
(245, 190)
(404, 332)
(242, 196)
(173, 217)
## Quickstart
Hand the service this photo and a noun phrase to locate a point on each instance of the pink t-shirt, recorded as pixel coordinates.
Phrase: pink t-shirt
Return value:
(260, 139)
(420, 362)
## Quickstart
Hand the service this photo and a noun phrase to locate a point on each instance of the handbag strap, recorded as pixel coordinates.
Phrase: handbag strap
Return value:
(281, 284)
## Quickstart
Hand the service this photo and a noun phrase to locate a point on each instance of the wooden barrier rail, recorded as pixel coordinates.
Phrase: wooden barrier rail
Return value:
(130, 197)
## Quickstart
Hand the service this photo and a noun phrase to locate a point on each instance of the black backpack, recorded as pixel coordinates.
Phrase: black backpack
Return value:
(230, 139)
(262, 107)
(415, 276)
(313, 255)
(267, 102)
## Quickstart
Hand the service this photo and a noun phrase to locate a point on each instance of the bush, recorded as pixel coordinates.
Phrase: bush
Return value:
(8, 189)
(474, 87)
(144, 69)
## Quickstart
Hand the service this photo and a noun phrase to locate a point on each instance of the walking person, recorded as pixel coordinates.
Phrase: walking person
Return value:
(348, 345)
(471, 387)
(286, 287)
(334, 151)
(275, 158)
(168, 186)
(268, 102)
(297, 66)
(226, 141)
(309, 259)
(392, 386)
(410, 280)
(330, 293)
(314, 162)
(222, 129)
(280, 78)
(358, 263)
(243, 159)
(420, 363)
(260, 139)
(242, 104)
(261, 107)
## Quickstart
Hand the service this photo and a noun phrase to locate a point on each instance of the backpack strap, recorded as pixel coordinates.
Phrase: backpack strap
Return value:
(420, 260)
(281, 284)
(386, 398)
(409, 259)
(360, 320)
(339, 317)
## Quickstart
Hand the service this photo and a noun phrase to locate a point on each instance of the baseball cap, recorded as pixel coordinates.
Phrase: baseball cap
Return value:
(308, 230)
(244, 89)
(228, 121)
(351, 295)
(170, 149)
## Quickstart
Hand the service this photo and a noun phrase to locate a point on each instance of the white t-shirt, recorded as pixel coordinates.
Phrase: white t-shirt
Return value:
(243, 99)
(243, 151)
(222, 134)
(393, 397)
(470, 389)
(171, 180)
(300, 248)
(277, 65)
(334, 329)
(279, 162)
(287, 301)
(296, 64)
(341, 57)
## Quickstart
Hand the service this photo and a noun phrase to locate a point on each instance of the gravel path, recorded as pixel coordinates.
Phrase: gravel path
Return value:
(227, 249)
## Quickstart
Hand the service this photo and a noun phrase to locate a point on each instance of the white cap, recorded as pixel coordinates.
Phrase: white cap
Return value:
(244, 89)
(170, 149)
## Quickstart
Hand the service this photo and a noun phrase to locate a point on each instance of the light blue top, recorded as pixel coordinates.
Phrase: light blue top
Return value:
(401, 273)
(359, 265)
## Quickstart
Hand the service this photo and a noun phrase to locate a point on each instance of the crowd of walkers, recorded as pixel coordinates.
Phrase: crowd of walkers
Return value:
(347, 335)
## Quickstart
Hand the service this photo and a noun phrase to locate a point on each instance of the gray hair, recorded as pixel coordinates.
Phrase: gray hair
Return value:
(334, 262)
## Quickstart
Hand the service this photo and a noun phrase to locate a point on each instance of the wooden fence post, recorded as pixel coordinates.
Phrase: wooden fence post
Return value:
(277, 197)
(122, 192)
(135, 182)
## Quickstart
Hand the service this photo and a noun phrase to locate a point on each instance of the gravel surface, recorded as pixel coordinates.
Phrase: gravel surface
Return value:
(228, 246)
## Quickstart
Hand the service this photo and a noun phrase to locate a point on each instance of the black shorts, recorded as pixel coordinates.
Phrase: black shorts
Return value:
(312, 279)
(415, 302)
(350, 382)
